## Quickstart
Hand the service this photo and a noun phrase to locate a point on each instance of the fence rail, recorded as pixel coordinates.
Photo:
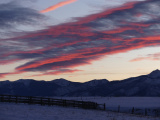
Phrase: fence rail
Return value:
(51, 102)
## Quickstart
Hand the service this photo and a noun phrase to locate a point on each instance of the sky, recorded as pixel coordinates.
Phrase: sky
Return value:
(79, 40)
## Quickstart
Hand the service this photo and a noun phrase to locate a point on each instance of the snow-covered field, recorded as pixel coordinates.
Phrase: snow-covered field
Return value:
(12, 111)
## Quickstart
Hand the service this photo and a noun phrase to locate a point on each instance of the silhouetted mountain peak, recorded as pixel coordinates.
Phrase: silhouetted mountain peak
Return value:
(26, 82)
(155, 74)
(97, 82)
(145, 85)
(61, 82)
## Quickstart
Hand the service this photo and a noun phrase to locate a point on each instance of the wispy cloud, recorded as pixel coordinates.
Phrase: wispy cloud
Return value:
(3, 75)
(67, 46)
(60, 4)
(13, 15)
(56, 72)
(155, 56)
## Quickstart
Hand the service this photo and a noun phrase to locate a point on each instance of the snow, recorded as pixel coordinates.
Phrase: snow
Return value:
(11, 111)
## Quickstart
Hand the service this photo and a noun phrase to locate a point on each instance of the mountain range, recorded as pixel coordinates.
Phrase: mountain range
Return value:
(144, 85)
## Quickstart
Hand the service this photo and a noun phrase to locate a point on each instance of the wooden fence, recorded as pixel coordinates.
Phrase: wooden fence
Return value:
(51, 102)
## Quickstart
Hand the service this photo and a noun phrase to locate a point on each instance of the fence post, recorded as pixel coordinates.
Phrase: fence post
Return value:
(16, 99)
(156, 113)
(52, 102)
(9, 99)
(118, 108)
(41, 101)
(104, 106)
(30, 100)
(133, 110)
(96, 105)
(49, 101)
(74, 104)
(2, 98)
(145, 112)
(82, 104)
(64, 103)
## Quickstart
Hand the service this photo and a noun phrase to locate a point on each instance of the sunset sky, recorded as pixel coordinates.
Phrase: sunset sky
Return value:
(79, 40)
